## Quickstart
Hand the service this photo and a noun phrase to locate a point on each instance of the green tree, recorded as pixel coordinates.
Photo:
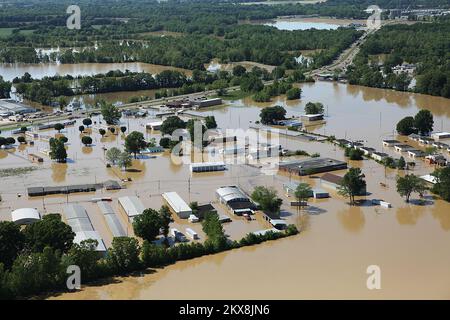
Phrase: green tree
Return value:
(124, 160)
(112, 155)
(57, 150)
(81, 129)
(424, 122)
(401, 164)
(36, 272)
(170, 124)
(86, 257)
(102, 132)
(110, 113)
(58, 127)
(216, 239)
(352, 184)
(11, 242)
(406, 126)
(48, 232)
(442, 186)
(356, 154)
(302, 193)
(165, 142)
(210, 122)
(408, 184)
(135, 142)
(239, 71)
(271, 114)
(267, 199)
(21, 139)
(123, 256)
(147, 224)
(87, 122)
(166, 218)
(86, 140)
(123, 129)
(314, 108)
(294, 93)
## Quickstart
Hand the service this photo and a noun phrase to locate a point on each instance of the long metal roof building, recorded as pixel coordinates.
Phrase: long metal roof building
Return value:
(111, 219)
(132, 206)
(177, 204)
(78, 219)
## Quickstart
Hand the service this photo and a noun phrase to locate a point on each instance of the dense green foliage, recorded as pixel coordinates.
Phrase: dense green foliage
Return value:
(271, 114)
(352, 184)
(267, 199)
(135, 142)
(408, 184)
(442, 186)
(422, 123)
(57, 150)
(424, 44)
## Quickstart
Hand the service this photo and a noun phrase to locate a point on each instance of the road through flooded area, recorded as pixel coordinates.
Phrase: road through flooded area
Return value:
(328, 259)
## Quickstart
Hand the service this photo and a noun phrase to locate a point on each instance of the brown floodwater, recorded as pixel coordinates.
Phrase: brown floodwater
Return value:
(40, 70)
(337, 243)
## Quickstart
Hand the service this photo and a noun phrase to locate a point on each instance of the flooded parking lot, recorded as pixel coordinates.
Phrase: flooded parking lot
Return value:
(337, 243)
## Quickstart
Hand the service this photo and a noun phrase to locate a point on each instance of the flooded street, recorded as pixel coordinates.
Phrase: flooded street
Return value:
(337, 243)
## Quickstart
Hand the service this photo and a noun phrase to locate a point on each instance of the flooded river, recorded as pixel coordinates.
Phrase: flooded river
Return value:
(409, 242)
(301, 23)
(40, 70)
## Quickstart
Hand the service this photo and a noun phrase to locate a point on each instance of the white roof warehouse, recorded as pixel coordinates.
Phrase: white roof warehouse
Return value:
(177, 204)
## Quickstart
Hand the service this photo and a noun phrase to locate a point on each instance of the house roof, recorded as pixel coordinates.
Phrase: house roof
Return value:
(25, 216)
(329, 177)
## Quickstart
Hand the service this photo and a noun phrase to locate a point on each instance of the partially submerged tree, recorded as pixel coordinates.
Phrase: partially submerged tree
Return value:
(112, 155)
(408, 184)
(302, 193)
(314, 108)
(57, 150)
(352, 184)
(267, 199)
(135, 142)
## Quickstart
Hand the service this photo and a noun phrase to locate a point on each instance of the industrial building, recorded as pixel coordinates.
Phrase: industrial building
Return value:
(78, 219)
(177, 204)
(312, 117)
(440, 135)
(235, 200)
(112, 219)
(43, 191)
(132, 206)
(311, 166)
(207, 166)
(10, 107)
(206, 103)
(25, 216)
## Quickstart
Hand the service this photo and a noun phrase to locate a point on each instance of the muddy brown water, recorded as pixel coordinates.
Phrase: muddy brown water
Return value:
(40, 70)
(409, 242)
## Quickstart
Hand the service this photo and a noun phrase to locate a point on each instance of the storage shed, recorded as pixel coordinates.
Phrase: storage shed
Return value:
(177, 204)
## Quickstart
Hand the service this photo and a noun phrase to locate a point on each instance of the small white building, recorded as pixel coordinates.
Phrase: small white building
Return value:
(379, 156)
(403, 148)
(415, 154)
(177, 204)
(391, 143)
(155, 125)
(191, 234)
(312, 117)
(25, 216)
(207, 166)
(132, 206)
(440, 135)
